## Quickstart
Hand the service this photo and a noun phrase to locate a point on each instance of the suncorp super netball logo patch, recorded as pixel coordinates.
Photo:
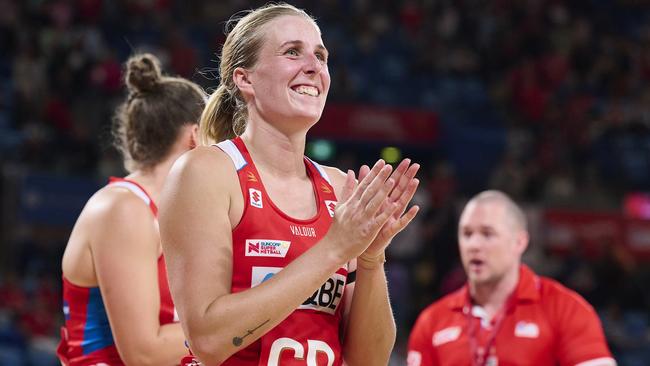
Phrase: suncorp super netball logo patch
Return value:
(267, 248)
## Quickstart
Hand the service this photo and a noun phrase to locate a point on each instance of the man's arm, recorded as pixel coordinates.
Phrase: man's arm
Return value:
(420, 348)
(603, 361)
(581, 340)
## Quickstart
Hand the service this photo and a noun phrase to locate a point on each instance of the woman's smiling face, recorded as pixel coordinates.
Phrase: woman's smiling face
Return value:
(290, 80)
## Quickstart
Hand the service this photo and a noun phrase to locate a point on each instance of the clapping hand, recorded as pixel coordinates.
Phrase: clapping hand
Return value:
(401, 194)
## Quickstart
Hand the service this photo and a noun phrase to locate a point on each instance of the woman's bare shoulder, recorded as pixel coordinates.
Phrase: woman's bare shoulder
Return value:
(337, 178)
(112, 202)
(204, 163)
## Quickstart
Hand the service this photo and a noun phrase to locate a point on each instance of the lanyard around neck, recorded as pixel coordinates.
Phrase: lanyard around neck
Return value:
(479, 359)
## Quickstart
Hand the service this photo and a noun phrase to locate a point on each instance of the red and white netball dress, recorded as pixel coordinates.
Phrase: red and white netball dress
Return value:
(264, 242)
(86, 338)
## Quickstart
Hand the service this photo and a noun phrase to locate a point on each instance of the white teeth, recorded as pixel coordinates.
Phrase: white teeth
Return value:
(308, 90)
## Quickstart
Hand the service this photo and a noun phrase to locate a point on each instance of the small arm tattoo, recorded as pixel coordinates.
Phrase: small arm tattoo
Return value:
(237, 341)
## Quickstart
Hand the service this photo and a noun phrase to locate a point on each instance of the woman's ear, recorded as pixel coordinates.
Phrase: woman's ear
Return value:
(194, 135)
(241, 78)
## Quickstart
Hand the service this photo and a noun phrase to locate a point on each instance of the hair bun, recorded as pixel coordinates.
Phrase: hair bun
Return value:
(143, 73)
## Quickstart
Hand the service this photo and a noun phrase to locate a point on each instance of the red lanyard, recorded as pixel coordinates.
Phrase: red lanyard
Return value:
(481, 359)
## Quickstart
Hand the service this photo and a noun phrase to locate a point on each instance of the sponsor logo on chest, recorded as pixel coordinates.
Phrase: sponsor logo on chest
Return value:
(255, 197)
(307, 231)
(328, 296)
(526, 329)
(326, 299)
(267, 248)
(446, 335)
(261, 274)
(331, 206)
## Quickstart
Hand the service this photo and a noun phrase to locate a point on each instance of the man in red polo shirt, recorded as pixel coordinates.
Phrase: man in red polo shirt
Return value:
(505, 314)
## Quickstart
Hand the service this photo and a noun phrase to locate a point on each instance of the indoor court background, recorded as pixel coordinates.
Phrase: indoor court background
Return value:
(547, 100)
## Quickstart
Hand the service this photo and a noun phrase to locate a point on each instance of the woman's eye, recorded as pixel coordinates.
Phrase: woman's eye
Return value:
(292, 52)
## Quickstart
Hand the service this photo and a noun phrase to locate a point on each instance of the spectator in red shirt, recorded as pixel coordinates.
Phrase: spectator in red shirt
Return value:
(505, 314)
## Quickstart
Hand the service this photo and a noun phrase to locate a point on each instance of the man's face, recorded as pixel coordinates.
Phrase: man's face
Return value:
(490, 242)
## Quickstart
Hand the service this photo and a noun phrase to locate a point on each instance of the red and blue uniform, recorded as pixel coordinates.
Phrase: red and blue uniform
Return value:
(86, 338)
(264, 242)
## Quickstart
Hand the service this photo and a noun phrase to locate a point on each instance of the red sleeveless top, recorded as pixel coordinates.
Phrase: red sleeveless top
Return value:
(86, 338)
(264, 242)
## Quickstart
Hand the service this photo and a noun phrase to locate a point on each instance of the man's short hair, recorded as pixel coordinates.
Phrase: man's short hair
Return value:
(512, 209)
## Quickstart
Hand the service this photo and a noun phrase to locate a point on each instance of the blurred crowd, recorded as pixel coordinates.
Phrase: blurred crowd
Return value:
(547, 100)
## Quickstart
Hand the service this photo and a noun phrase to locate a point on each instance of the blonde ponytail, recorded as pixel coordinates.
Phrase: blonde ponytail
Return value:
(216, 120)
(223, 118)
